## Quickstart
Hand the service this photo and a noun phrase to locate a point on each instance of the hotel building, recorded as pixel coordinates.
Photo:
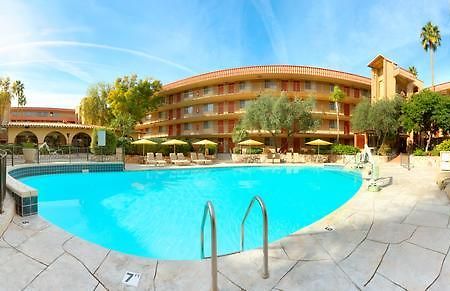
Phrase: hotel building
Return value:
(210, 105)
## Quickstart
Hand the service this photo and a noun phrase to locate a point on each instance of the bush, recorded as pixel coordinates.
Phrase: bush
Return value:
(212, 149)
(28, 145)
(419, 152)
(384, 150)
(443, 146)
(342, 149)
(111, 142)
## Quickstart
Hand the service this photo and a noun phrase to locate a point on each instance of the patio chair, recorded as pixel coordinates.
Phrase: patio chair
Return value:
(150, 159)
(202, 159)
(288, 158)
(173, 157)
(298, 159)
(159, 159)
(181, 160)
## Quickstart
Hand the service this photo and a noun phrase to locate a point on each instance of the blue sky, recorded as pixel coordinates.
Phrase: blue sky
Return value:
(59, 48)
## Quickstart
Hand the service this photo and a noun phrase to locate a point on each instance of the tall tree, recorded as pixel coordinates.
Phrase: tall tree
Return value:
(382, 118)
(431, 39)
(130, 95)
(427, 112)
(413, 70)
(337, 96)
(277, 115)
(94, 107)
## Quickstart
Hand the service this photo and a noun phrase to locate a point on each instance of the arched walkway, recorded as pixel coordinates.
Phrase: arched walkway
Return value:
(81, 139)
(55, 138)
(25, 136)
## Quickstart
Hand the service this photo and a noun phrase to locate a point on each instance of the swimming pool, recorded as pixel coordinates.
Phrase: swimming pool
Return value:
(157, 213)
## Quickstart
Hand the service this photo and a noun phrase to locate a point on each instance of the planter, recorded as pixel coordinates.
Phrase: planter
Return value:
(29, 155)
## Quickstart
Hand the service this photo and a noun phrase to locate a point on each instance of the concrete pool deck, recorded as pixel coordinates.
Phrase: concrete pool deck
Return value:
(396, 239)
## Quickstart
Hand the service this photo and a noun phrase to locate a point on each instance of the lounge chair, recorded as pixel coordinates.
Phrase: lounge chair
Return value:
(150, 160)
(288, 158)
(201, 157)
(298, 159)
(160, 160)
(178, 159)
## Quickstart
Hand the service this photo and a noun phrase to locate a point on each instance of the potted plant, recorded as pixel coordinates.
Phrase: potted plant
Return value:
(29, 152)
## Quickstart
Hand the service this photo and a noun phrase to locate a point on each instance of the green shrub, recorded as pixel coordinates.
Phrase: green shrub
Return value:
(212, 149)
(28, 145)
(254, 151)
(443, 146)
(419, 152)
(342, 149)
(111, 142)
(384, 150)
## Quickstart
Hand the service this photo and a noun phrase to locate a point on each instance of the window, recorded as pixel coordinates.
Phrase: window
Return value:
(187, 126)
(190, 94)
(161, 115)
(162, 129)
(184, 95)
(270, 84)
(331, 88)
(308, 85)
(242, 104)
(231, 88)
(188, 110)
(332, 106)
(207, 124)
(332, 124)
(206, 91)
(296, 85)
(284, 85)
(242, 86)
(208, 107)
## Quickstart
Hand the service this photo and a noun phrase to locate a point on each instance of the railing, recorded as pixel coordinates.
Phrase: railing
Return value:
(405, 161)
(16, 155)
(209, 209)
(265, 237)
(3, 156)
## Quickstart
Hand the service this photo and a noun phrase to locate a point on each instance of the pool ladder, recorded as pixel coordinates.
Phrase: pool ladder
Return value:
(209, 209)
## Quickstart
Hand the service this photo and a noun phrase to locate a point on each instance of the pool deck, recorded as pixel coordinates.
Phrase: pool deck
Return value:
(396, 239)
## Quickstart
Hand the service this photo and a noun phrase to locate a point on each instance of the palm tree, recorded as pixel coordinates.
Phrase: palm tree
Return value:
(413, 70)
(8, 92)
(18, 92)
(431, 39)
(337, 96)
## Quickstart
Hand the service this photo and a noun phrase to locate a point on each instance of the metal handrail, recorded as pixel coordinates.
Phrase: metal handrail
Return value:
(265, 273)
(3, 155)
(209, 209)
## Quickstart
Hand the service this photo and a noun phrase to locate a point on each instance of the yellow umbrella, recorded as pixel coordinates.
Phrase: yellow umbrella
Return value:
(205, 142)
(174, 142)
(318, 143)
(143, 142)
(250, 142)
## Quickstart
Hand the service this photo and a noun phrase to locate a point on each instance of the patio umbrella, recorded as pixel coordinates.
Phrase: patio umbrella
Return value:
(318, 143)
(250, 142)
(205, 142)
(174, 142)
(143, 142)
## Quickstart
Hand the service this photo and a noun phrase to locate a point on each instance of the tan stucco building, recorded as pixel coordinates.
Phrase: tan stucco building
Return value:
(389, 80)
(210, 105)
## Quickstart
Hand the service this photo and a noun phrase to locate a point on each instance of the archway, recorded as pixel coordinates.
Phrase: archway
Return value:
(55, 138)
(25, 136)
(81, 139)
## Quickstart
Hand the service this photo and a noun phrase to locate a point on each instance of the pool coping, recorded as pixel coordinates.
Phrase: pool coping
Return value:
(343, 232)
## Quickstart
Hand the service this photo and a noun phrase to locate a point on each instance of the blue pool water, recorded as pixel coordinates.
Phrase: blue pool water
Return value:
(158, 213)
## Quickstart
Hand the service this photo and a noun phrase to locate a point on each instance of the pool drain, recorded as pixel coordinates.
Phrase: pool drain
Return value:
(328, 228)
